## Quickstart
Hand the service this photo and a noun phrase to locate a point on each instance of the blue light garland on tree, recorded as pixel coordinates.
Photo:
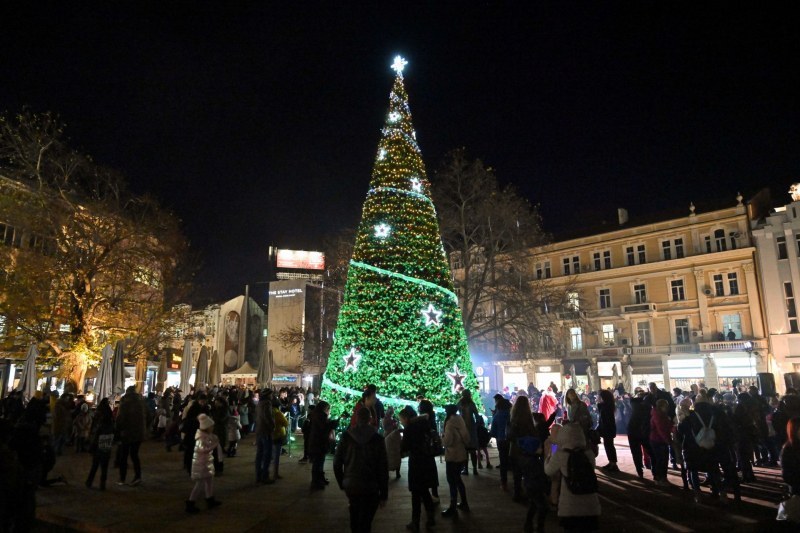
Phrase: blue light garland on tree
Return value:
(400, 325)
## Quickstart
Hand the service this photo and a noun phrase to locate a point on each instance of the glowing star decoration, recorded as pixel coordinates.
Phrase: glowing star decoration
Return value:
(399, 64)
(394, 116)
(456, 377)
(351, 360)
(416, 185)
(382, 230)
(432, 316)
(381, 154)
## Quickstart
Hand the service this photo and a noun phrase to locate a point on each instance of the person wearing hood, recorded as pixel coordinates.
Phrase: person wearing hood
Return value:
(361, 470)
(455, 440)
(576, 512)
(422, 473)
(206, 443)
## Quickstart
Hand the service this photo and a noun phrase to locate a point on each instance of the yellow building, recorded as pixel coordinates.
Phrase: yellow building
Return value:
(673, 301)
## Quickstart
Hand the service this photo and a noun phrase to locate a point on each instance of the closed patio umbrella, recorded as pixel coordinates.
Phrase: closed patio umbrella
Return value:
(186, 368)
(118, 369)
(214, 376)
(614, 375)
(161, 378)
(201, 377)
(627, 378)
(103, 385)
(28, 380)
(141, 373)
(264, 377)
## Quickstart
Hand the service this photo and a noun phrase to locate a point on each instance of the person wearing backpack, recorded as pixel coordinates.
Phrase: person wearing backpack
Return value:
(361, 470)
(697, 434)
(578, 502)
(422, 473)
(455, 443)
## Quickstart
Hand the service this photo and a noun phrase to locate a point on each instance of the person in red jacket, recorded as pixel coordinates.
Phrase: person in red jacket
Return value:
(661, 428)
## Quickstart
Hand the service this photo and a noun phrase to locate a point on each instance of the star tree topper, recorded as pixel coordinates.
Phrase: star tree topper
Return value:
(432, 316)
(456, 377)
(399, 64)
(416, 185)
(351, 360)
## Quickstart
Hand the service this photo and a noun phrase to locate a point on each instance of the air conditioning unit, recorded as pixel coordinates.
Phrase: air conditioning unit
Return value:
(627, 351)
(708, 292)
(625, 341)
(736, 234)
(697, 334)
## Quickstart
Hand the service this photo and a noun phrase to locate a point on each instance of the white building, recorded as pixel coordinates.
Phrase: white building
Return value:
(777, 241)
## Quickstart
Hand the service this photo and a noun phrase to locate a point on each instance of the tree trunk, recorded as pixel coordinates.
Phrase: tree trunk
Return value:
(73, 370)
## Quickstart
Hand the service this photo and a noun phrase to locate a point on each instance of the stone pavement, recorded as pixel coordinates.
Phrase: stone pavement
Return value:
(629, 504)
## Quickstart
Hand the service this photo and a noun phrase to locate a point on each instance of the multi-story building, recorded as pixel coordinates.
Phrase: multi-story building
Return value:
(777, 240)
(674, 301)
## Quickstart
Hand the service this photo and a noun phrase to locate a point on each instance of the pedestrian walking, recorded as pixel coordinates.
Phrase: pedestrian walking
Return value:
(101, 441)
(455, 440)
(577, 510)
(362, 471)
(206, 444)
(265, 425)
(499, 429)
(422, 474)
(320, 440)
(132, 427)
(607, 428)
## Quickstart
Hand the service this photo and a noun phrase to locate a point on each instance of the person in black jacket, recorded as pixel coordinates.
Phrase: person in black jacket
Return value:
(422, 473)
(190, 427)
(100, 442)
(607, 428)
(362, 471)
(319, 443)
(639, 430)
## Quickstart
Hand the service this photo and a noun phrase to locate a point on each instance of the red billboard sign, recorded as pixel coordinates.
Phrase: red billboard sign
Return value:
(301, 259)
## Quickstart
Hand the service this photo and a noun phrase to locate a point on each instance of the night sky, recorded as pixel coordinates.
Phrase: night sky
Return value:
(258, 125)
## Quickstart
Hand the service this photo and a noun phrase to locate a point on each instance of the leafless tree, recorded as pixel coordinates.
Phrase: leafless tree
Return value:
(490, 232)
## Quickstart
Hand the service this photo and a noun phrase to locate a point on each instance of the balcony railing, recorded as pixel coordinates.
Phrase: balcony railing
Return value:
(647, 307)
(733, 346)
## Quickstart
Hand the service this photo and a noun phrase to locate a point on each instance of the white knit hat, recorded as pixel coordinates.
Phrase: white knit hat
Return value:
(205, 421)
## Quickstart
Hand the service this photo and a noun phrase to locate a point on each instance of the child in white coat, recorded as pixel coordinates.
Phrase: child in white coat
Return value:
(203, 464)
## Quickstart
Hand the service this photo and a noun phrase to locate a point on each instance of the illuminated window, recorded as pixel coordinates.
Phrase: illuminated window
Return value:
(682, 331)
(608, 335)
(643, 332)
(576, 339)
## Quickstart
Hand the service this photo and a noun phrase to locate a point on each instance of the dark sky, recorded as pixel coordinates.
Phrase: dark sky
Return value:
(258, 125)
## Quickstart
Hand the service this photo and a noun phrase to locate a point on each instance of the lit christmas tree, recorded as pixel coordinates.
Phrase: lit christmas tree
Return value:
(400, 324)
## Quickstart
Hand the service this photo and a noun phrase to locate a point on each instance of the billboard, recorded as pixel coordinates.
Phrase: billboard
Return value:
(301, 259)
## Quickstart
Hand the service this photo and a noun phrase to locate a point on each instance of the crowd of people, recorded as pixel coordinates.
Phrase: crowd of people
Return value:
(547, 443)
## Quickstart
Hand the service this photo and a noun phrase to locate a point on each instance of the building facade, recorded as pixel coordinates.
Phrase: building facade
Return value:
(777, 239)
(675, 301)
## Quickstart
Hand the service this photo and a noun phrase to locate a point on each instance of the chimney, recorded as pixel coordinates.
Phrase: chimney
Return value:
(622, 214)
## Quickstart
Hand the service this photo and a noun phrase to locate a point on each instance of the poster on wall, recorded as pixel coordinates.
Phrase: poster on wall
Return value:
(254, 333)
(231, 339)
